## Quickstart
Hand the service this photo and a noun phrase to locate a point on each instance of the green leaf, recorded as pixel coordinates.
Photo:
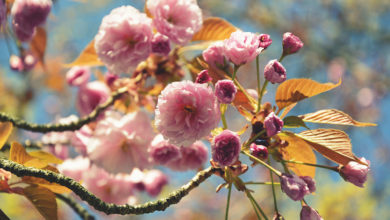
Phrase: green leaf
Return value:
(293, 122)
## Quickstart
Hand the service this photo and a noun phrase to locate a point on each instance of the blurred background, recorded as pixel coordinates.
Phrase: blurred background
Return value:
(348, 39)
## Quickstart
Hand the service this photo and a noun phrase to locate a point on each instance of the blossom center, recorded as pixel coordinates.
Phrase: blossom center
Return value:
(189, 108)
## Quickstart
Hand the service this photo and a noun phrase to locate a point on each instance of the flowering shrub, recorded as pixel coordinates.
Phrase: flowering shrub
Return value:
(154, 108)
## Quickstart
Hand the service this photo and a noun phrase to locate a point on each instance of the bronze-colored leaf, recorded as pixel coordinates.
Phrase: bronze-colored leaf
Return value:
(38, 44)
(87, 57)
(331, 143)
(214, 29)
(44, 200)
(287, 110)
(294, 90)
(333, 116)
(5, 132)
(298, 150)
(19, 155)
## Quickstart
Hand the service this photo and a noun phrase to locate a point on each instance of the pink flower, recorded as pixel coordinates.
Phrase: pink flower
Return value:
(308, 213)
(161, 44)
(154, 181)
(259, 151)
(177, 19)
(120, 143)
(226, 148)
(110, 78)
(273, 124)
(186, 112)
(225, 91)
(203, 77)
(252, 93)
(59, 150)
(90, 96)
(75, 168)
(275, 72)
(214, 55)
(295, 187)
(291, 43)
(162, 152)
(5, 175)
(265, 41)
(78, 75)
(124, 39)
(355, 172)
(80, 138)
(192, 157)
(242, 47)
(110, 188)
(27, 14)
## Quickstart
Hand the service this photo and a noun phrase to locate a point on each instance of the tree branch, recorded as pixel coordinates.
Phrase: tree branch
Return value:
(44, 128)
(82, 212)
(108, 208)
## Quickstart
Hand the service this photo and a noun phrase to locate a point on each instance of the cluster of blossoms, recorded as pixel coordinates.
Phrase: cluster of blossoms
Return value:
(115, 156)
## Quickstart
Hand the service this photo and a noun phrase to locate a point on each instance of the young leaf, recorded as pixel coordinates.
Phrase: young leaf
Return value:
(287, 110)
(298, 150)
(87, 57)
(38, 44)
(293, 122)
(294, 90)
(5, 132)
(19, 155)
(333, 116)
(44, 200)
(331, 143)
(214, 29)
(45, 156)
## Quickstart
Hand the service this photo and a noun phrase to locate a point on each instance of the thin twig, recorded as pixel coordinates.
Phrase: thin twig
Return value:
(108, 208)
(44, 128)
(82, 212)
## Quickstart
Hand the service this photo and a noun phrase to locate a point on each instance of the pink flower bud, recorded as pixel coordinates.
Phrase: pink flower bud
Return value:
(253, 93)
(291, 43)
(308, 213)
(242, 47)
(91, 95)
(16, 63)
(162, 152)
(110, 78)
(295, 187)
(5, 175)
(226, 148)
(29, 61)
(154, 181)
(161, 44)
(259, 151)
(355, 172)
(265, 41)
(78, 75)
(214, 54)
(275, 72)
(225, 91)
(27, 14)
(203, 77)
(273, 124)
(311, 184)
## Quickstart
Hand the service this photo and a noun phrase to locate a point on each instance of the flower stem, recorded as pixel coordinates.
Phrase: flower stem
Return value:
(235, 71)
(228, 202)
(273, 188)
(263, 90)
(260, 183)
(278, 173)
(256, 204)
(254, 208)
(312, 164)
(258, 85)
(254, 138)
(281, 57)
(223, 118)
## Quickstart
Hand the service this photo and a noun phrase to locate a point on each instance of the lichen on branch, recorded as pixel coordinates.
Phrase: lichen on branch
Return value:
(108, 208)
